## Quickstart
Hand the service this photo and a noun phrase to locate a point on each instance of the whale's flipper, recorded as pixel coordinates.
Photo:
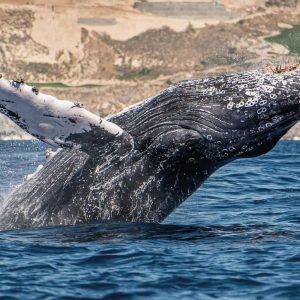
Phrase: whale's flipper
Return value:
(56, 122)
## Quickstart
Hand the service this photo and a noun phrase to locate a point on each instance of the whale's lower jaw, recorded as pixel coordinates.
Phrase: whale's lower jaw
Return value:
(147, 160)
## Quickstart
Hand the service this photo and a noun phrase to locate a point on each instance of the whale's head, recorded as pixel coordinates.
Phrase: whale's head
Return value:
(216, 120)
(250, 113)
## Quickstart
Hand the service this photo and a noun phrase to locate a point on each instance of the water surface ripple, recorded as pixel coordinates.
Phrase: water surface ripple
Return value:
(238, 237)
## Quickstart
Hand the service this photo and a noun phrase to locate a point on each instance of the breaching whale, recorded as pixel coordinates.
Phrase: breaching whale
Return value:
(142, 163)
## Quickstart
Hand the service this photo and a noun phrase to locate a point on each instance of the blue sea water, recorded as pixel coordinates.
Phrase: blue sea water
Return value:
(238, 237)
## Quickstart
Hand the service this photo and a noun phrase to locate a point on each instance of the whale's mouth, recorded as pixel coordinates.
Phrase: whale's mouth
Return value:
(284, 123)
(276, 131)
(262, 141)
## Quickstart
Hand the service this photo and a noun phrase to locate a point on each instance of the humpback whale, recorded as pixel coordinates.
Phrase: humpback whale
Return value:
(140, 164)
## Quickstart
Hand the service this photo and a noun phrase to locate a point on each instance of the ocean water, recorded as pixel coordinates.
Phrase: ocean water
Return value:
(238, 237)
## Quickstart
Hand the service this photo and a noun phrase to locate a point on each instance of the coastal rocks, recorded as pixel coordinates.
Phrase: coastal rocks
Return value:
(9, 131)
(16, 43)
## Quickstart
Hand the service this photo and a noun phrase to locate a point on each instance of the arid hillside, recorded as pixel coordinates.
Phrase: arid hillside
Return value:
(124, 51)
(50, 44)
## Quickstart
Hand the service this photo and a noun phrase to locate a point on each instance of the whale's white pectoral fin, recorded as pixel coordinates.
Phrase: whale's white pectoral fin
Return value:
(57, 122)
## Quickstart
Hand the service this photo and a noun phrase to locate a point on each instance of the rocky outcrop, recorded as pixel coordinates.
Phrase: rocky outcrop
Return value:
(147, 55)
(16, 44)
(10, 131)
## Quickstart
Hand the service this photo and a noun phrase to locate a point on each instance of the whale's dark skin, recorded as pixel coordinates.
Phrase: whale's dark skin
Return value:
(171, 144)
